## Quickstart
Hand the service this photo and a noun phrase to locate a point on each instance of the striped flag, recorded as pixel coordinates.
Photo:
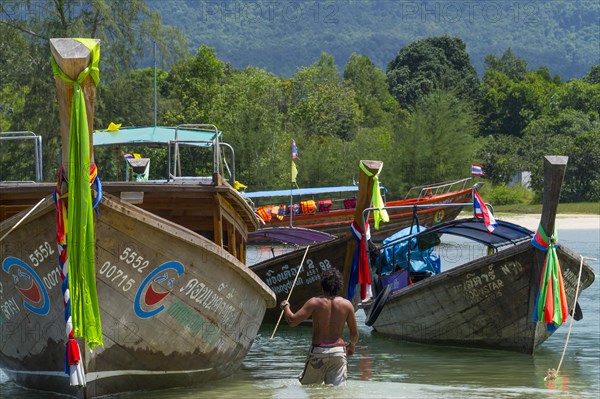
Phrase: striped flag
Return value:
(481, 211)
(477, 170)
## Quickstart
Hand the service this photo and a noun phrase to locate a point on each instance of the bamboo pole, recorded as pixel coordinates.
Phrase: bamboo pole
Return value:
(291, 289)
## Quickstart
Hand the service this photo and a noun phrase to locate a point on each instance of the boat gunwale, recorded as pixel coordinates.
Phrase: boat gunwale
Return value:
(160, 223)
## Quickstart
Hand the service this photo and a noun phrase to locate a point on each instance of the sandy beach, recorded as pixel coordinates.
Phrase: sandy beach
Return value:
(563, 221)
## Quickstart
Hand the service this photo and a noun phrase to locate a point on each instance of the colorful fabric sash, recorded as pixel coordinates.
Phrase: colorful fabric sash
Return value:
(73, 364)
(82, 312)
(360, 264)
(551, 302)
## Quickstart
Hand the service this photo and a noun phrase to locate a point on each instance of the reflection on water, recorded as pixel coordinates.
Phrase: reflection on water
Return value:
(386, 368)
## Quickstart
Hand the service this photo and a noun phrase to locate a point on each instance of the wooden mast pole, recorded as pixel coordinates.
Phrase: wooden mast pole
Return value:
(363, 201)
(72, 57)
(554, 172)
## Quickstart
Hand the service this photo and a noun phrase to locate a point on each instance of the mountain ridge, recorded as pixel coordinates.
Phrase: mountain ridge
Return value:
(283, 36)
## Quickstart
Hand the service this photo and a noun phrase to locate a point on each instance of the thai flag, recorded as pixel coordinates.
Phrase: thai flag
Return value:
(477, 170)
(482, 212)
(294, 150)
(360, 264)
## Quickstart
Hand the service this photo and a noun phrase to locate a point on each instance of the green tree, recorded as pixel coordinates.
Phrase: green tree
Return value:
(28, 100)
(250, 110)
(509, 64)
(129, 99)
(583, 171)
(194, 82)
(507, 107)
(593, 77)
(126, 31)
(377, 105)
(439, 141)
(324, 161)
(502, 157)
(322, 103)
(578, 95)
(569, 133)
(430, 64)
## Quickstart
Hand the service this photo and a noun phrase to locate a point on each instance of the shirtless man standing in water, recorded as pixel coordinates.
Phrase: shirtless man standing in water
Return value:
(326, 361)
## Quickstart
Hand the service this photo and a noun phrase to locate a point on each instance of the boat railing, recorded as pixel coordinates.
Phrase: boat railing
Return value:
(438, 188)
(219, 164)
(338, 196)
(37, 147)
(415, 208)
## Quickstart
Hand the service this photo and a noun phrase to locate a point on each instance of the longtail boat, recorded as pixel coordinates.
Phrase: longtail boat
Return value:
(331, 209)
(328, 251)
(502, 299)
(165, 303)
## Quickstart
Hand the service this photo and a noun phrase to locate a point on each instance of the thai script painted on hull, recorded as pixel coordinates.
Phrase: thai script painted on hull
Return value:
(210, 300)
(281, 282)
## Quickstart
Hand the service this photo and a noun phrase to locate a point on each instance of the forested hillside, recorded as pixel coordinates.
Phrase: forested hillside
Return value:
(427, 114)
(282, 36)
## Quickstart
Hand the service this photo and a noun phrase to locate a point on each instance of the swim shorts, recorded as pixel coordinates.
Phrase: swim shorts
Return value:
(325, 364)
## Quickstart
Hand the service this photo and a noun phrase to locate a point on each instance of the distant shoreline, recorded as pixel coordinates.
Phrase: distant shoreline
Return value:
(563, 221)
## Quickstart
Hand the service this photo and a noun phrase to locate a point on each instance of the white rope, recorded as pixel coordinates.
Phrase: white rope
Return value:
(290, 293)
(551, 374)
(23, 218)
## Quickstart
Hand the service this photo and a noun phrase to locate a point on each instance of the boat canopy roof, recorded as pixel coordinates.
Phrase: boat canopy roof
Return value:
(152, 135)
(300, 191)
(474, 229)
(291, 235)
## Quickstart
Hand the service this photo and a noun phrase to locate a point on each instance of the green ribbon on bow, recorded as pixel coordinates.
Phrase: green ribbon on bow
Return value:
(85, 311)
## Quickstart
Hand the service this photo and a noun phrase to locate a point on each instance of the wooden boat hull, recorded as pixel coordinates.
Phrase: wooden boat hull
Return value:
(176, 309)
(337, 222)
(484, 303)
(187, 204)
(279, 272)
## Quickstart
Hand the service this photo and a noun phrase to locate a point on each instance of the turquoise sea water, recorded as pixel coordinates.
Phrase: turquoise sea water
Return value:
(386, 368)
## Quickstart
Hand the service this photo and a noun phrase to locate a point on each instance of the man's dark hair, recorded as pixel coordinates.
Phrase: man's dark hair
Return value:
(331, 281)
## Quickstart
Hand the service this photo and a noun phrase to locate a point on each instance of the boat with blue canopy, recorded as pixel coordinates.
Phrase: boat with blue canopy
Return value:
(512, 292)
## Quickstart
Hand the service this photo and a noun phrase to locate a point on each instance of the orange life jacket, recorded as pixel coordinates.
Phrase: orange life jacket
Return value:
(308, 206)
(265, 213)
